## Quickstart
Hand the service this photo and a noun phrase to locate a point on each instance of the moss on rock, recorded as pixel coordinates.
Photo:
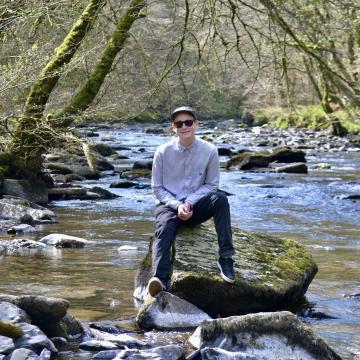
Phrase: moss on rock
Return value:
(271, 273)
(10, 330)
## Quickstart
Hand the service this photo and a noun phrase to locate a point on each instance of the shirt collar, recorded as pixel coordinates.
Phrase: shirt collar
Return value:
(189, 147)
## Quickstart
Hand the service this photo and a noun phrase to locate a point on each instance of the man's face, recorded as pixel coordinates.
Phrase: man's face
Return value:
(185, 133)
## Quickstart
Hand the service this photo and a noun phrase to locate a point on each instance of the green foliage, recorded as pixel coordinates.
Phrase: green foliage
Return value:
(311, 117)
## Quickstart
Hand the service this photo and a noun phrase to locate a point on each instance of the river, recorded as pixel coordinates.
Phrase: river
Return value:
(98, 280)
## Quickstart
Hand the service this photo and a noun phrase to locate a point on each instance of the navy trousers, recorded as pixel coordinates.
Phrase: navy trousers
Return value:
(167, 223)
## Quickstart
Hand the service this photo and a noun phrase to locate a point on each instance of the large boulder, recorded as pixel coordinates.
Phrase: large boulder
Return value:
(271, 273)
(262, 336)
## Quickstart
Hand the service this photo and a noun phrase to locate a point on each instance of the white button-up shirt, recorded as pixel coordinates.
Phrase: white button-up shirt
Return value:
(184, 174)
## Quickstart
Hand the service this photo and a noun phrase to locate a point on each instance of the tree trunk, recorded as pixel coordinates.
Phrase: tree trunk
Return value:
(85, 96)
(32, 134)
(50, 74)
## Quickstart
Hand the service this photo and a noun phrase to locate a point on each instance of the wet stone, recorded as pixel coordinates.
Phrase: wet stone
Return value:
(34, 338)
(269, 336)
(106, 355)
(167, 311)
(168, 352)
(96, 345)
(23, 354)
(118, 339)
(45, 354)
(12, 313)
(6, 345)
(64, 241)
(21, 229)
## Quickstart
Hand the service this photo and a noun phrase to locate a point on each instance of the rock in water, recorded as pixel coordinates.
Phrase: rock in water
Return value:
(262, 336)
(168, 352)
(65, 241)
(271, 273)
(167, 311)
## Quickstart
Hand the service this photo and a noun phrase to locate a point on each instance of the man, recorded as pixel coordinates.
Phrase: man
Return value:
(185, 180)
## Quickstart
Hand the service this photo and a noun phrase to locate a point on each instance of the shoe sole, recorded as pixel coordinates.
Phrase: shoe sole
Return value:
(154, 287)
(231, 281)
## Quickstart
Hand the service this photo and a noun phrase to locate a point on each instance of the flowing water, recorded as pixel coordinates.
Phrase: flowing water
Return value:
(98, 280)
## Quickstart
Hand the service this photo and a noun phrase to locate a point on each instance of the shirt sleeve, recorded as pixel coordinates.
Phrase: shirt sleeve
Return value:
(212, 178)
(161, 194)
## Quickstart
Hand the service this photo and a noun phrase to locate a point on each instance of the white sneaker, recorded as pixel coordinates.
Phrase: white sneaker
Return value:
(155, 286)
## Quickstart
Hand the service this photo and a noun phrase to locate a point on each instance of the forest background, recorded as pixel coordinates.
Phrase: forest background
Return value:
(290, 62)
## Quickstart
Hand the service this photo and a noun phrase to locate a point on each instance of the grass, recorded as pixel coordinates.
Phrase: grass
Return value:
(311, 117)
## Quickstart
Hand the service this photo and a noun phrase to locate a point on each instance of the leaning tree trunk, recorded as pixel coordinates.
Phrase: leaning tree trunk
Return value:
(50, 74)
(86, 94)
(30, 137)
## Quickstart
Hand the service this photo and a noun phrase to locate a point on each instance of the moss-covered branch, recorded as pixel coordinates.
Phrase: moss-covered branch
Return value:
(84, 97)
(41, 90)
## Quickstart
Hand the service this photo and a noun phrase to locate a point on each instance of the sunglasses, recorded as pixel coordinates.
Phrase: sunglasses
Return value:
(188, 123)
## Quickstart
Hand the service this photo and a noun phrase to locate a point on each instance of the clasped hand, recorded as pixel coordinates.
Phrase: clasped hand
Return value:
(185, 211)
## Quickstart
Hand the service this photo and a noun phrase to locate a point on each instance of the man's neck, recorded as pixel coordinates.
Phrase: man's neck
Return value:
(187, 143)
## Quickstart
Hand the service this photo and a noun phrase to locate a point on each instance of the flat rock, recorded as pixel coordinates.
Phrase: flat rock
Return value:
(271, 273)
(262, 336)
(65, 241)
(167, 311)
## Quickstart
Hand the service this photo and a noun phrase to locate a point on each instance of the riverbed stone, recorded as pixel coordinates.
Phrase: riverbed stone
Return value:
(21, 247)
(45, 354)
(34, 191)
(21, 229)
(6, 345)
(96, 345)
(15, 207)
(294, 168)
(65, 241)
(271, 273)
(168, 352)
(252, 160)
(104, 194)
(103, 149)
(23, 354)
(33, 338)
(12, 313)
(168, 311)
(270, 336)
(118, 339)
(136, 174)
(106, 355)
(45, 312)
